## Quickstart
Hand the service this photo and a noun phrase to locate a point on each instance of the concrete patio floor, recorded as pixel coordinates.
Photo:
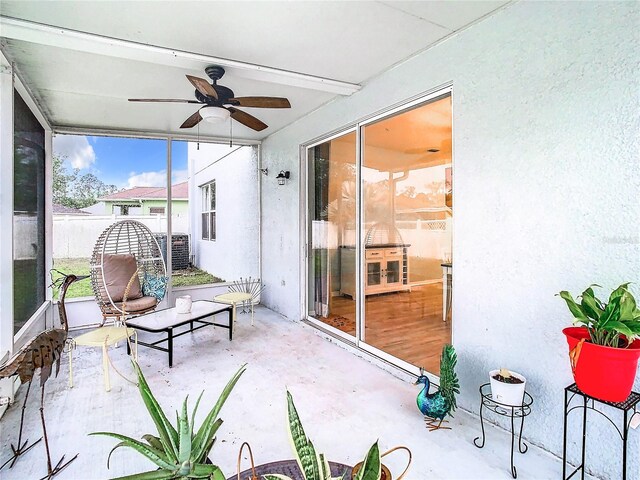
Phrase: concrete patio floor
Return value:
(345, 403)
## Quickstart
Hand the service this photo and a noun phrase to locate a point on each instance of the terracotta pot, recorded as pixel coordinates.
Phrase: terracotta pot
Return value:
(385, 474)
(605, 373)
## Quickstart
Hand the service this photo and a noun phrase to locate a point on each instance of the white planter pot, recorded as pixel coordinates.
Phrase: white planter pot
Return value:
(507, 393)
(183, 304)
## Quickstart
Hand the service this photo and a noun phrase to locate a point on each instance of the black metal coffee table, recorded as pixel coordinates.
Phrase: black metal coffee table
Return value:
(169, 319)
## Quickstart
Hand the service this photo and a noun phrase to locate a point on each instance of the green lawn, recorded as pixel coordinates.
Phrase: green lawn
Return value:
(77, 266)
(193, 276)
(80, 266)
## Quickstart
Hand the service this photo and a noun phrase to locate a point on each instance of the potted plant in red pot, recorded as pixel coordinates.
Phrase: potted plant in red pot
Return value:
(604, 349)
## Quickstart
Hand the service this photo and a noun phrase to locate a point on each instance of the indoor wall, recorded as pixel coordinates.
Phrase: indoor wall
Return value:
(545, 115)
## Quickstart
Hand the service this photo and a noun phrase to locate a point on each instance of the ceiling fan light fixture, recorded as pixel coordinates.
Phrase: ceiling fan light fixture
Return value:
(214, 114)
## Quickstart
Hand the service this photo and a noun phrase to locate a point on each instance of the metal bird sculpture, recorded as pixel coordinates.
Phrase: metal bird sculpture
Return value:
(437, 405)
(42, 353)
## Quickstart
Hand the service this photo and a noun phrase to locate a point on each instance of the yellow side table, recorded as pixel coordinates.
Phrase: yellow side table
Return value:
(103, 337)
(233, 298)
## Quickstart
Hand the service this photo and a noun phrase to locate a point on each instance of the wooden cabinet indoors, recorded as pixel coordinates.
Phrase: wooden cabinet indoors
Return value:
(386, 269)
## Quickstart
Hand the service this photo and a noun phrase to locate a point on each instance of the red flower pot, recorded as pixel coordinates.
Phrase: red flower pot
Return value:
(605, 373)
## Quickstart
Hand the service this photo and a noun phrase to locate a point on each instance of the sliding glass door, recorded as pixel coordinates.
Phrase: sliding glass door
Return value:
(387, 245)
(407, 232)
(332, 267)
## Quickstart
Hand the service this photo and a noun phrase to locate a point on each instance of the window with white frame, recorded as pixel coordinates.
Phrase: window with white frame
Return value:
(209, 211)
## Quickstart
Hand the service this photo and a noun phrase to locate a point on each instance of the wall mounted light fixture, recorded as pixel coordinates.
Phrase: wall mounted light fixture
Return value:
(283, 176)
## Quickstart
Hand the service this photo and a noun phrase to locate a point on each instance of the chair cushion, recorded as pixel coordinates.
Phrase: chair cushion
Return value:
(118, 270)
(139, 304)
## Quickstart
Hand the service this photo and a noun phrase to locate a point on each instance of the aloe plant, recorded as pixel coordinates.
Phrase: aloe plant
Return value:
(606, 322)
(179, 452)
(314, 465)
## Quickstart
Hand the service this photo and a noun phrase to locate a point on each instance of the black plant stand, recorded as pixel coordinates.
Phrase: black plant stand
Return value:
(486, 401)
(589, 403)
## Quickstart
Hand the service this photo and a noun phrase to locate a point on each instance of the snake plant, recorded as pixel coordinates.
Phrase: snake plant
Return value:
(314, 465)
(179, 452)
(606, 322)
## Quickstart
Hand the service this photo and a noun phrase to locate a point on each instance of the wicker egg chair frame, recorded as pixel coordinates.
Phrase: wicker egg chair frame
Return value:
(125, 237)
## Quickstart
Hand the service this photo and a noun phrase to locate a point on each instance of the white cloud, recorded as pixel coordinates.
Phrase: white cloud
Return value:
(155, 179)
(147, 179)
(75, 149)
(179, 176)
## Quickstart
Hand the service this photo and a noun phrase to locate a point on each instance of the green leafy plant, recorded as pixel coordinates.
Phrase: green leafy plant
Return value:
(372, 465)
(314, 465)
(179, 452)
(606, 322)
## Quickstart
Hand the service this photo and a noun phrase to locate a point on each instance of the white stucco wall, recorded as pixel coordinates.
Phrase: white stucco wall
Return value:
(235, 252)
(546, 195)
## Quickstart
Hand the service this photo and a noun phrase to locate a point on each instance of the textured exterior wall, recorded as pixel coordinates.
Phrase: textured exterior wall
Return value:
(235, 252)
(546, 190)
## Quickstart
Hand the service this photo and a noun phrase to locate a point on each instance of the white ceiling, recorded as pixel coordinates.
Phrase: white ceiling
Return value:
(87, 86)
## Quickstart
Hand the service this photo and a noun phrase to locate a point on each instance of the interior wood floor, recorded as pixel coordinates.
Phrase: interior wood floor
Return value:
(407, 325)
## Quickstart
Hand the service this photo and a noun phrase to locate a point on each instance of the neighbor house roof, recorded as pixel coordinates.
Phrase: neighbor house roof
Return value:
(179, 191)
(62, 210)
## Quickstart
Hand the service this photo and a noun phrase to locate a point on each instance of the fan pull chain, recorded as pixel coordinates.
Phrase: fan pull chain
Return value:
(198, 147)
(230, 132)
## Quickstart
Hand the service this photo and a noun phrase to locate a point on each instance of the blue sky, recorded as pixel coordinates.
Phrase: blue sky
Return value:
(124, 162)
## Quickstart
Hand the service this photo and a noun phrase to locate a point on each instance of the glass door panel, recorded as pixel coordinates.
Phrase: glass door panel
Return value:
(392, 272)
(406, 197)
(332, 232)
(374, 274)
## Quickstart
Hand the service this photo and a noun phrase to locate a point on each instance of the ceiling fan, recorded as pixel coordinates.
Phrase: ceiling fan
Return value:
(214, 97)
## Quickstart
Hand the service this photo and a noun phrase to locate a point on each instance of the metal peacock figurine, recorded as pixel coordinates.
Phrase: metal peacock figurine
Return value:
(436, 406)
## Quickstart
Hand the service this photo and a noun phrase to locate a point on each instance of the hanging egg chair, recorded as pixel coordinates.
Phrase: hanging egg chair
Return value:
(122, 249)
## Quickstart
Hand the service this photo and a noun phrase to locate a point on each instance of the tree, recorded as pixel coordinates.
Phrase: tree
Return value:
(62, 182)
(88, 188)
(409, 192)
(74, 190)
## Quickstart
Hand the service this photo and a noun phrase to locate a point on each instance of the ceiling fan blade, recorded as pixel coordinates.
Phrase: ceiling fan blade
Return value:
(246, 119)
(170, 100)
(203, 86)
(192, 121)
(260, 102)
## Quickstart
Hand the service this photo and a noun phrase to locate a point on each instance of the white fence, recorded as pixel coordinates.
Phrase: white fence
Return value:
(74, 236)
